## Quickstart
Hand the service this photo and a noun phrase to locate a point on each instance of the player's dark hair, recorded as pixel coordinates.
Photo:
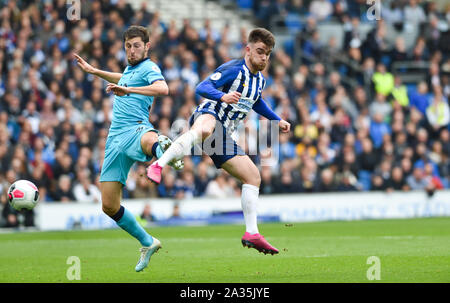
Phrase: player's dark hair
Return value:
(136, 31)
(262, 35)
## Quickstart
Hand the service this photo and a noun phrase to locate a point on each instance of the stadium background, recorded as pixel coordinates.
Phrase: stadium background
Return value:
(367, 99)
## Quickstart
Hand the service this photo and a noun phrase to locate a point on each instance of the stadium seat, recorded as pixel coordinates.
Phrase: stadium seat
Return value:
(293, 23)
(245, 4)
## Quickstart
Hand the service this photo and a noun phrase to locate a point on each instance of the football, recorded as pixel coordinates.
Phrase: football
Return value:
(23, 194)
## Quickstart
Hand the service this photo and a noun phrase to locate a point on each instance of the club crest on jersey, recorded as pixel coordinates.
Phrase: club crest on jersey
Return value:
(216, 76)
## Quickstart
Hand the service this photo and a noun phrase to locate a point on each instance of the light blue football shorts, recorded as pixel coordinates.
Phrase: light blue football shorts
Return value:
(122, 151)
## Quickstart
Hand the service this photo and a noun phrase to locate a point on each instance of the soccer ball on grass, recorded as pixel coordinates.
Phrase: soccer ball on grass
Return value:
(23, 194)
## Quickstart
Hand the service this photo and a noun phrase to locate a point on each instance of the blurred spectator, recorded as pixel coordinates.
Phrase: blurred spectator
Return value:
(141, 188)
(416, 180)
(167, 188)
(341, 126)
(378, 183)
(352, 33)
(201, 179)
(347, 183)
(396, 181)
(438, 113)
(436, 153)
(378, 129)
(147, 214)
(340, 99)
(263, 13)
(444, 138)
(63, 164)
(420, 51)
(326, 155)
(383, 80)
(219, 187)
(63, 192)
(399, 53)
(285, 184)
(434, 76)
(384, 171)
(322, 115)
(326, 182)
(84, 191)
(414, 13)
(41, 180)
(400, 92)
(380, 107)
(320, 9)
(432, 32)
(368, 158)
(432, 178)
(444, 170)
(186, 184)
(176, 211)
(308, 173)
(377, 45)
(287, 149)
(9, 215)
(267, 181)
(59, 40)
(391, 12)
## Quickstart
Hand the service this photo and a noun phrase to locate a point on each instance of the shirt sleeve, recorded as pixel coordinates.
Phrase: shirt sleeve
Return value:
(154, 74)
(210, 87)
(264, 110)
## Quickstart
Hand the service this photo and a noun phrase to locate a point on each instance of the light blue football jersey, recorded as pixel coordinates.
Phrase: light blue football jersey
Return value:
(134, 108)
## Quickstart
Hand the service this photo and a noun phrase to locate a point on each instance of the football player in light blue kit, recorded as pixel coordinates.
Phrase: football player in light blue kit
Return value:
(131, 136)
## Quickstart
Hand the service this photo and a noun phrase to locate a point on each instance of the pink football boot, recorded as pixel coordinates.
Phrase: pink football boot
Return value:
(154, 173)
(258, 242)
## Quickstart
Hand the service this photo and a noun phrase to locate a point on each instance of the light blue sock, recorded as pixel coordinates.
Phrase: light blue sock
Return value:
(127, 222)
(159, 152)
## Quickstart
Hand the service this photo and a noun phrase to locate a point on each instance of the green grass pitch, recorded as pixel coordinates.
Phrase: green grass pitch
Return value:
(410, 250)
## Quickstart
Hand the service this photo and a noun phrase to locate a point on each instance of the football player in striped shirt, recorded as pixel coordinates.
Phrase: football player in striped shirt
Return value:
(230, 93)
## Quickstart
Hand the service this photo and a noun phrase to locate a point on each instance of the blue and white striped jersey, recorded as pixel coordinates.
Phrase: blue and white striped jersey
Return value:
(229, 77)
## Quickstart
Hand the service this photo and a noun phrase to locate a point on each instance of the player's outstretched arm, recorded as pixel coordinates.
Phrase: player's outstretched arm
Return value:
(264, 110)
(108, 76)
(284, 126)
(157, 88)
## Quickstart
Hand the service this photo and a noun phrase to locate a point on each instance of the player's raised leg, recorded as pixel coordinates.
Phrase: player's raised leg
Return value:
(111, 194)
(243, 168)
(155, 145)
(202, 128)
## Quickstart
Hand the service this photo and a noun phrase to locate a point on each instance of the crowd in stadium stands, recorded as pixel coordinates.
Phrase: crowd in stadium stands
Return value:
(380, 134)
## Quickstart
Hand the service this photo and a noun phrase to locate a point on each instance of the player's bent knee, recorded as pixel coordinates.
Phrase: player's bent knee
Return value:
(111, 193)
(204, 126)
(206, 133)
(147, 142)
(252, 178)
(110, 210)
(255, 181)
(203, 130)
(258, 180)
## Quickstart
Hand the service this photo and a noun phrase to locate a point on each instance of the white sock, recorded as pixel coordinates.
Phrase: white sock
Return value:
(179, 147)
(249, 202)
